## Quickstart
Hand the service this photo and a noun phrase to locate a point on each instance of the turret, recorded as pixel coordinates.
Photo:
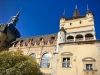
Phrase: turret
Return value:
(12, 33)
(61, 38)
(63, 19)
(14, 19)
(89, 14)
(3, 34)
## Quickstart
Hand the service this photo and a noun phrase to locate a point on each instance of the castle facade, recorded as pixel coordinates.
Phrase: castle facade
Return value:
(74, 50)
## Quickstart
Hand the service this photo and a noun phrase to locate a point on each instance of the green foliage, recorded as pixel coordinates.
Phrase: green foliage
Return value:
(15, 63)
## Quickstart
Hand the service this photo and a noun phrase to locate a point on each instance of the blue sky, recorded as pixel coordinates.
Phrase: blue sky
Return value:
(39, 17)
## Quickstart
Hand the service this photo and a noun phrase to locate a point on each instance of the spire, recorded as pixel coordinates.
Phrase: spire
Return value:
(64, 16)
(17, 15)
(87, 7)
(76, 12)
(88, 11)
(75, 6)
(15, 19)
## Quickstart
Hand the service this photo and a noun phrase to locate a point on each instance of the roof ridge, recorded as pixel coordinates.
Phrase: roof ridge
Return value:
(37, 35)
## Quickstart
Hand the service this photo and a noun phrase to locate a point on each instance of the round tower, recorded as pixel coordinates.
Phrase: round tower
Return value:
(61, 36)
(62, 20)
(89, 14)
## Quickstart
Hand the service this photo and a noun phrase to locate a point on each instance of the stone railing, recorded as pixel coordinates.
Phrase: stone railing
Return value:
(79, 39)
(89, 38)
(70, 40)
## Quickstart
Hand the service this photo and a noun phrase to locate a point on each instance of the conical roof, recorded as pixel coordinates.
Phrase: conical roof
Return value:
(62, 29)
(88, 11)
(76, 12)
(64, 16)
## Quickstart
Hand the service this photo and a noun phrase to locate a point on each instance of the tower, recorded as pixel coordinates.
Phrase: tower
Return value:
(79, 27)
(3, 34)
(14, 19)
(61, 37)
(63, 19)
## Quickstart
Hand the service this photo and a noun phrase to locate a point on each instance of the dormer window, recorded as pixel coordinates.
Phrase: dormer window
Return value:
(52, 38)
(41, 39)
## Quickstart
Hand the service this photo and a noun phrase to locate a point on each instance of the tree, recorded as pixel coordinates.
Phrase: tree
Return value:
(15, 63)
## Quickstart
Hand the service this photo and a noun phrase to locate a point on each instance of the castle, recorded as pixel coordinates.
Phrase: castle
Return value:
(74, 50)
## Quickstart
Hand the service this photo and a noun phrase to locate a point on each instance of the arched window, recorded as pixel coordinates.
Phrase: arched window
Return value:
(45, 60)
(89, 36)
(79, 37)
(70, 38)
(33, 55)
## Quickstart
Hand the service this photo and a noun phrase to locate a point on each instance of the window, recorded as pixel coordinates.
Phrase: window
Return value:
(89, 67)
(41, 39)
(70, 24)
(15, 31)
(33, 55)
(60, 37)
(70, 38)
(45, 60)
(66, 62)
(89, 64)
(89, 36)
(66, 59)
(52, 38)
(79, 37)
(80, 22)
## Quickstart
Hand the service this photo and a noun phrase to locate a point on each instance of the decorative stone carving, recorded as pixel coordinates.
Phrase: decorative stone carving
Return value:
(35, 44)
(66, 53)
(29, 44)
(88, 59)
(48, 43)
(18, 44)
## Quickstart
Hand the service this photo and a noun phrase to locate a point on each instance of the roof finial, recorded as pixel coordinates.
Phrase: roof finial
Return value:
(87, 7)
(64, 16)
(18, 14)
(88, 11)
(14, 19)
(64, 12)
(75, 6)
